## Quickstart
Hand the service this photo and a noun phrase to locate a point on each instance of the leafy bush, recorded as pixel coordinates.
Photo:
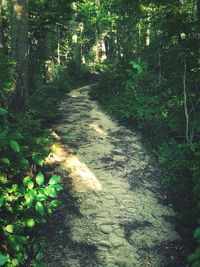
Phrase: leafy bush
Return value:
(152, 104)
(27, 197)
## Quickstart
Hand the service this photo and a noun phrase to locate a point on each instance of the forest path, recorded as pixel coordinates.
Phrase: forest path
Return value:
(115, 213)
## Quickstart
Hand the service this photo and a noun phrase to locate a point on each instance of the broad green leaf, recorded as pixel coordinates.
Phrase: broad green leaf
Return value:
(54, 203)
(58, 187)
(14, 187)
(3, 259)
(50, 191)
(7, 85)
(41, 197)
(30, 197)
(2, 199)
(40, 178)
(39, 161)
(15, 263)
(41, 191)
(10, 228)
(39, 256)
(15, 146)
(14, 244)
(26, 180)
(29, 202)
(30, 223)
(24, 164)
(49, 210)
(39, 208)
(5, 161)
(33, 193)
(54, 179)
(30, 185)
(3, 112)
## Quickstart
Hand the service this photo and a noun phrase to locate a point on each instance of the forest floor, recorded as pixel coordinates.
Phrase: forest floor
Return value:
(114, 213)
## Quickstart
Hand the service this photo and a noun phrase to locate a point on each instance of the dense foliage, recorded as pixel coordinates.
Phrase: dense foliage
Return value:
(27, 195)
(150, 53)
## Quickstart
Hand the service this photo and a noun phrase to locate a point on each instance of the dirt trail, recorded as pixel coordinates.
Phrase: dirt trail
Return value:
(115, 213)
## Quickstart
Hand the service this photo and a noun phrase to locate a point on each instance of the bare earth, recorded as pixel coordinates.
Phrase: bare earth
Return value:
(114, 213)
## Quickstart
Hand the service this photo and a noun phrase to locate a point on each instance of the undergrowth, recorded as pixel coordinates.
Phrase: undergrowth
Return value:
(27, 195)
(151, 105)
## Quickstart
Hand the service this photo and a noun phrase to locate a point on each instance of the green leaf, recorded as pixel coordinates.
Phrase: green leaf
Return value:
(30, 185)
(1, 201)
(29, 202)
(30, 223)
(55, 179)
(41, 191)
(15, 187)
(39, 161)
(5, 161)
(21, 239)
(39, 208)
(7, 85)
(3, 259)
(15, 263)
(58, 187)
(197, 233)
(192, 257)
(15, 245)
(3, 112)
(24, 164)
(41, 197)
(40, 178)
(33, 193)
(30, 197)
(10, 228)
(15, 146)
(39, 256)
(54, 203)
(26, 180)
(50, 191)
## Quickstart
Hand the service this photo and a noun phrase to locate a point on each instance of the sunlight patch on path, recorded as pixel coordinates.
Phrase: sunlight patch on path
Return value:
(97, 128)
(81, 176)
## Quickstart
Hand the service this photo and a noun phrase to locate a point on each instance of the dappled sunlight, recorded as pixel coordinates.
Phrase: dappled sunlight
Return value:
(18, 9)
(81, 176)
(97, 128)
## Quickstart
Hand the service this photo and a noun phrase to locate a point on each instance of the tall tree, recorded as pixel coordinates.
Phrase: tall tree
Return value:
(19, 52)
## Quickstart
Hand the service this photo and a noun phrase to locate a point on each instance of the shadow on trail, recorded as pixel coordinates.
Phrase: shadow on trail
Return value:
(117, 215)
(58, 234)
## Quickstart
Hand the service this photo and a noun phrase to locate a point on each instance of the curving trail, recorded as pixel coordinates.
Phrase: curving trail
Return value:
(115, 213)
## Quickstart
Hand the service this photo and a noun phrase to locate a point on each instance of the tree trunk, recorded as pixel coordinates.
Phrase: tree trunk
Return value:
(1, 29)
(19, 52)
(185, 102)
(198, 26)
